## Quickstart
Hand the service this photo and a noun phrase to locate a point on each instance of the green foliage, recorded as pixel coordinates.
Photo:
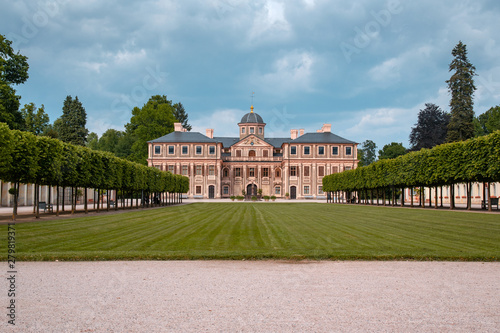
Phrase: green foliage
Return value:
(153, 120)
(391, 150)
(431, 128)
(181, 115)
(13, 70)
(36, 120)
(366, 153)
(487, 122)
(27, 158)
(71, 127)
(461, 87)
(474, 160)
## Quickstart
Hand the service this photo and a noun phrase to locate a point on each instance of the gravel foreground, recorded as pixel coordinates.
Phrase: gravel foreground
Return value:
(254, 296)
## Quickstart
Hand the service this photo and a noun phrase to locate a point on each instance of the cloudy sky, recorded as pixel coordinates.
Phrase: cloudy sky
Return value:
(366, 67)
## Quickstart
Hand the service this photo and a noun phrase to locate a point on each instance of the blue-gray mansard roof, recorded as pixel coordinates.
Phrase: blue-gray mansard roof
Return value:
(184, 137)
(197, 137)
(326, 137)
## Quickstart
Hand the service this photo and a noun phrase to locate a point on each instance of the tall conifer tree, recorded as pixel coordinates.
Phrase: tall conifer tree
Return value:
(71, 127)
(461, 86)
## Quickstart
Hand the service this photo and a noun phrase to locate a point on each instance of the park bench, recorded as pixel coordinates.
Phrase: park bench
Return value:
(45, 206)
(494, 202)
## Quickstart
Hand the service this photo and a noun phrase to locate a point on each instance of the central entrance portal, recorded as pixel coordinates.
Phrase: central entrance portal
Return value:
(252, 189)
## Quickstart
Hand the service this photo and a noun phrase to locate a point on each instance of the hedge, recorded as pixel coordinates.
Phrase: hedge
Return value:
(474, 160)
(26, 158)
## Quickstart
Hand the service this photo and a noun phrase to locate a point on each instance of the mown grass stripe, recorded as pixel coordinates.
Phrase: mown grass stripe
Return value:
(263, 230)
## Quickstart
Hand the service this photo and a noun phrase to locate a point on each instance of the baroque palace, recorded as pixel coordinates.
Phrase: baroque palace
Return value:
(220, 167)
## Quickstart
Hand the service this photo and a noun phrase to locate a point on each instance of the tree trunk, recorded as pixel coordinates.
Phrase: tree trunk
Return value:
(57, 201)
(64, 190)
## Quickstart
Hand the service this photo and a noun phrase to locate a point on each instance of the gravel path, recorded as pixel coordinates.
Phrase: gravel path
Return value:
(254, 296)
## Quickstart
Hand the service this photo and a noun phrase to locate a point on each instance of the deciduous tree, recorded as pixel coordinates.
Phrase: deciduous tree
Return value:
(430, 129)
(155, 119)
(391, 150)
(488, 122)
(367, 153)
(35, 119)
(13, 71)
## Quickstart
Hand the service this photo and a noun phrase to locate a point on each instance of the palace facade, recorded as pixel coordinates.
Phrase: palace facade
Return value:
(220, 167)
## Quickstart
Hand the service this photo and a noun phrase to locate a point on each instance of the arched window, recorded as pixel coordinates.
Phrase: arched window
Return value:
(277, 173)
(251, 153)
(225, 172)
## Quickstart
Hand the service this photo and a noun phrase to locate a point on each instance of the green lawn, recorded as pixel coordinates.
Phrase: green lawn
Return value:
(262, 230)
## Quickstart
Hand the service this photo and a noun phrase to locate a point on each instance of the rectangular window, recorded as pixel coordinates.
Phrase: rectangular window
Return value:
(260, 130)
(237, 172)
(157, 150)
(348, 150)
(306, 189)
(198, 189)
(320, 189)
(251, 172)
(252, 130)
(306, 171)
(185, 150)
(198, 150)
(211, 150)
(184, 170)
(265, 172)
(226, 190)
(307, 150)
(335, 150)
(243, 130)
(321, 171)
(198, 170)
(211, 170)
(293, 150)
(293, 171)
(277, 190)
(321, 150)
(347, 168)
(171, 168)
(171, 150)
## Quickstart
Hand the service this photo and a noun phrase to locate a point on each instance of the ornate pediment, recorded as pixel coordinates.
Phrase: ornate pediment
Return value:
(252, 141)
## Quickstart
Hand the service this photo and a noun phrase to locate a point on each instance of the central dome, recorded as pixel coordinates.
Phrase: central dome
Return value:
(252, 118)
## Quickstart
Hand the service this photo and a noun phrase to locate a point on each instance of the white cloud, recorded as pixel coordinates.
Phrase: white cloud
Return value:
(224, 122)
(290, 73)
(270, 23)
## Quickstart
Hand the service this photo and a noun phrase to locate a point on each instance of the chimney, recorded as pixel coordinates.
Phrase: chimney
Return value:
(301, 132)
(327, 128)
(210, 133)
(294, 134)
(178, 127)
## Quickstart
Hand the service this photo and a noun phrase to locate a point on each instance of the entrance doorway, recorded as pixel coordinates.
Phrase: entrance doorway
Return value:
(211, 192)
(252, 189)
(293, 192)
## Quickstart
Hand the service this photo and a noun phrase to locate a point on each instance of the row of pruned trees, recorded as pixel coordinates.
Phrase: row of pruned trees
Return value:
(474, 160)
(30, 159)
